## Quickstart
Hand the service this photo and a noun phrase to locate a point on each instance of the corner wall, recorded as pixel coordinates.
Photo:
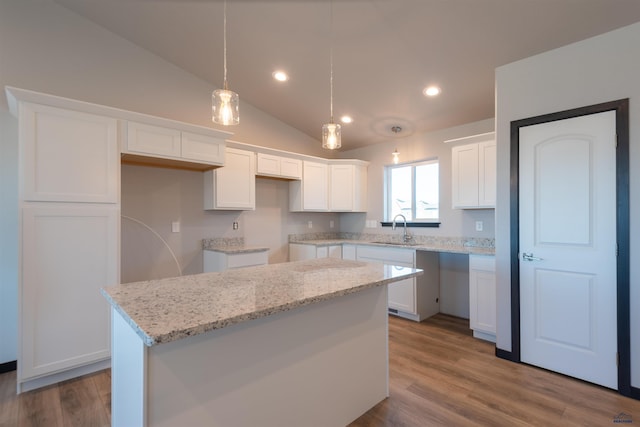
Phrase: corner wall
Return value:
(592, 71)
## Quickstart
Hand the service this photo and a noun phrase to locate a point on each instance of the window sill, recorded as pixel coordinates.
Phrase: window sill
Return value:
(411, 224)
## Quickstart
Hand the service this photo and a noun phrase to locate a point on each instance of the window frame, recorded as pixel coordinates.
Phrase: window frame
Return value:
(388, 203)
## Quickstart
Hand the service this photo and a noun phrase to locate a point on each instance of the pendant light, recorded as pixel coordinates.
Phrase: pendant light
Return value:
(225, 103)
(331, 131)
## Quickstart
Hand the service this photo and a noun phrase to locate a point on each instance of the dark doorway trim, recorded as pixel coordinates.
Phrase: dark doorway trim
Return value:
(621, 107)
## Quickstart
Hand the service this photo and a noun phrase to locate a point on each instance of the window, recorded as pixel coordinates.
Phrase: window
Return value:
(412, 189)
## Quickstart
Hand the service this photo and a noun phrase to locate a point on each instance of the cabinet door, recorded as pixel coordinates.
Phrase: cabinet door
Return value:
(349, 252)
(232, 187)
(315, 184)
(290, 168)
(68, 254)
(202, 148)
(482, 294)
(300, 252)
(402, 295)
(68, 156)
(342, 188)
(487, 174)
(464, 182)
(153, 140)
(268, 165)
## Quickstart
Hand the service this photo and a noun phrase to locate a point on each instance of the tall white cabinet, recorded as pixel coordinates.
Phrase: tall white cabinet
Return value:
(69, 248)
(473, 167)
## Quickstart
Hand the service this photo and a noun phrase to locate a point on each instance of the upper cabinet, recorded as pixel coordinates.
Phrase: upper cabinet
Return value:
(474, 173)
(312, 193)
(336, 186)
(348, 188)
(164, 146)
(232, 187)
(279, 166)
(68, 156)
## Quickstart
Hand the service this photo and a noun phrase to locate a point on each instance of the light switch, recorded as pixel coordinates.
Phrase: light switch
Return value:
(175, 227)
(479, 226)
(310, 224)
(331, 224)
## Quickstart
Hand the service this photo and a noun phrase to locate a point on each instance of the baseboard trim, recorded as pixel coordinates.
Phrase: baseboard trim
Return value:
(507, 355)
(8, 366)
(635, 393)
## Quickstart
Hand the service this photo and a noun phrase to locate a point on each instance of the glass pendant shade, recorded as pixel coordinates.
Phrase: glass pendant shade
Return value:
(331, 136)
(225, 107)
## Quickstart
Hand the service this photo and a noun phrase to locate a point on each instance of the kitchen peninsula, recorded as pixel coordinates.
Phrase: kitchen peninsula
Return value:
(301, 343)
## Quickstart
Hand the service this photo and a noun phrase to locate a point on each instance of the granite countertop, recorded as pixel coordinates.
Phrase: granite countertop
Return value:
(169, 309)
(230, 246)
(437, 246)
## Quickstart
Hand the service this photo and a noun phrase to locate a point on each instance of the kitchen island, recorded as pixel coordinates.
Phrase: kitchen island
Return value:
(302, 343)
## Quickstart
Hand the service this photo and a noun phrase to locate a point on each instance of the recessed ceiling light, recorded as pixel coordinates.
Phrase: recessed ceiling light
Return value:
(280, 76)
(431, 91)
(346, 119)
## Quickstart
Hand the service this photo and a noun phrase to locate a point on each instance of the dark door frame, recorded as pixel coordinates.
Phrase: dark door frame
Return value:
(621, 107)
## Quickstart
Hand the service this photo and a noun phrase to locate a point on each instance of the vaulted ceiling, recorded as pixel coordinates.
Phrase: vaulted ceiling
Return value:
(385, 52)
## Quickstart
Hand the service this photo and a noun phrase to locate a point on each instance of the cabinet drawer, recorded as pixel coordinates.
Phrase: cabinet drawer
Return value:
(247, 259)
(482, 262)
(404, 257)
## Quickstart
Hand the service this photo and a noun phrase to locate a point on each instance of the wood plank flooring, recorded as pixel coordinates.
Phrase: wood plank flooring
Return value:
(439, 376)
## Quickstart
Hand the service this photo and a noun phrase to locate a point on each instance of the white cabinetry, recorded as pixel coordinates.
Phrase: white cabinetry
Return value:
(232, 187)
(402, 294)
(68, 253)
(300, 251)
(69, 237)
(219, 261)
(474, 174)
(482, 296)
(348, 188)
(312, 193)
(68, 156)
(147, 143)
(279, 167)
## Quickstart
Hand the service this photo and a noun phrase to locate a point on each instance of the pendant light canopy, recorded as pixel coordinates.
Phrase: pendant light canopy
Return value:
(225, 109)
(331, 132)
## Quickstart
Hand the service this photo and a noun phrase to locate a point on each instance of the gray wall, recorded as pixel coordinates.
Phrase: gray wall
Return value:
(592, 71)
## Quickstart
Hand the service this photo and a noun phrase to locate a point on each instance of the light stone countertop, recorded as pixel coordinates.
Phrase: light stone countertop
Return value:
(169, 309)
(230, 246)
(419, 246)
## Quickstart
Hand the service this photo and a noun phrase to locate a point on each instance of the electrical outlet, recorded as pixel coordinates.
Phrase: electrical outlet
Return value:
(331, 224)
(479, 226)
(175, 227)
(235, 225)
(310, 224)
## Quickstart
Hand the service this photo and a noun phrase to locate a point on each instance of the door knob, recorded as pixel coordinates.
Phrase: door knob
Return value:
(530, 257)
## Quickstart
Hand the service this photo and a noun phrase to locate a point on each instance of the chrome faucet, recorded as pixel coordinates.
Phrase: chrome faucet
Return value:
(407, 236)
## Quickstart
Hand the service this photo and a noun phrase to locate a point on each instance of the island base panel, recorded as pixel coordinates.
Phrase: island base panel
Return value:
(322, 364)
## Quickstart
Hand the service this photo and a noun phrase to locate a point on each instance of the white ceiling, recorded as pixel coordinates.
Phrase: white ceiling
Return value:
(385, 52)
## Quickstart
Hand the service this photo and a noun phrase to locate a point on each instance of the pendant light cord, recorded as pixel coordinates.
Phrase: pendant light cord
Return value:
(331, 60)
(224, 42)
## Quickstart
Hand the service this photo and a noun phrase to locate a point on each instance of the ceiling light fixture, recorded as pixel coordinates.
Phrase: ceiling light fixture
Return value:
(432, 91)
(346, 119)
(225, 103)
(280, 76)
(331, 132)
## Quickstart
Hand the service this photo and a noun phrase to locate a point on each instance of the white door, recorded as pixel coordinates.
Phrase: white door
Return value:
(567, 231)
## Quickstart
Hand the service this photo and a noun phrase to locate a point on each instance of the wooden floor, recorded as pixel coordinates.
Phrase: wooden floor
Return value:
(439, 376)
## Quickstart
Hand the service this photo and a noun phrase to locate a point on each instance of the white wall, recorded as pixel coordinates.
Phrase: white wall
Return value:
(592, 71)
(46, 48)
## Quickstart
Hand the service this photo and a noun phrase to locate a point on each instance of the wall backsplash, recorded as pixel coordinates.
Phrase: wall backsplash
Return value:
(158, 196)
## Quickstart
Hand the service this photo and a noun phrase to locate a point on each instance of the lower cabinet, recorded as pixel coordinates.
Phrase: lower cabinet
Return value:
(482, 296)
(69, 252)
(415, 298)
(214, 261)
(300, 252)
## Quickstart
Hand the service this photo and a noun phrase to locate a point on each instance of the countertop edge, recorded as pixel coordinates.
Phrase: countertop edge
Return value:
(472, 250)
